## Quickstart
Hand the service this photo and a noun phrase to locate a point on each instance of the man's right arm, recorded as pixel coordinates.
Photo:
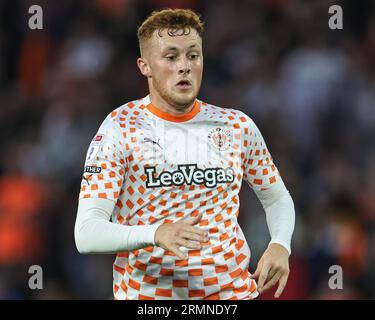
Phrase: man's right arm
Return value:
(95, 233)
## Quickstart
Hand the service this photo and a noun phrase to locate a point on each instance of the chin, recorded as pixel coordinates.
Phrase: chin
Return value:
(184, 100)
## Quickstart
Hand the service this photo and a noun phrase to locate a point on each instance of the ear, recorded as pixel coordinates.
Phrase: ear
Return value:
(144, 67)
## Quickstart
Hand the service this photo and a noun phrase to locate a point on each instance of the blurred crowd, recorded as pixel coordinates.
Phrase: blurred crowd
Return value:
(310, 90)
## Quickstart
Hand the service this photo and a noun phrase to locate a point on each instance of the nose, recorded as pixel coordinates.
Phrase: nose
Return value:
(184, 67)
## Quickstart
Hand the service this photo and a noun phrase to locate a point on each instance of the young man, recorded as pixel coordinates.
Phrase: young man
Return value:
(162, 178)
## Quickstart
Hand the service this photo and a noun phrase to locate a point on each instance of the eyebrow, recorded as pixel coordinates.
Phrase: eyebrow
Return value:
(175, 48)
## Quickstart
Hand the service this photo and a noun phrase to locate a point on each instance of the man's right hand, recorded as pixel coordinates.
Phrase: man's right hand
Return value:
(180, 234)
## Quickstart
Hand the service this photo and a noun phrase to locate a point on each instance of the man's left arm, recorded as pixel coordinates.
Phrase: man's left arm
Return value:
(273, 266)
(263, 177)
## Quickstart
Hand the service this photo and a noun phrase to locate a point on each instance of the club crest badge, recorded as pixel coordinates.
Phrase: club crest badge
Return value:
(220, 138)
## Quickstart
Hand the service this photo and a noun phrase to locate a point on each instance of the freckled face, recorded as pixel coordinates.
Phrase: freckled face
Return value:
(176, 66)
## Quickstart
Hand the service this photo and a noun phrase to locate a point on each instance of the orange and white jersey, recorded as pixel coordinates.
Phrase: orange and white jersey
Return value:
(160, 168)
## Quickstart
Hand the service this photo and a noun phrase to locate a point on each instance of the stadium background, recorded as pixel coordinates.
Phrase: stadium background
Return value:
(310, 90)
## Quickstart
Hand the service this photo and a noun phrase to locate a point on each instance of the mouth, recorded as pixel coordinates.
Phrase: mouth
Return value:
(184, 84)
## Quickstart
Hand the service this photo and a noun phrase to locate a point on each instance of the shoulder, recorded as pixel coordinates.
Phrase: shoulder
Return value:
(117, 121)
(238, 118)
(126, 111)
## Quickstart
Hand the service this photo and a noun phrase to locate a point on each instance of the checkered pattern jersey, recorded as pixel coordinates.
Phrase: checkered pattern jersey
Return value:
(137, 136)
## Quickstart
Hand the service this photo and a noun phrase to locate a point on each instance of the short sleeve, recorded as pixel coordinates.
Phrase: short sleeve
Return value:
(259, 170)
(105, 163)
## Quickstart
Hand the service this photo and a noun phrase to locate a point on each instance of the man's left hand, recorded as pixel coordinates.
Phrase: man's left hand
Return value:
(273, 267)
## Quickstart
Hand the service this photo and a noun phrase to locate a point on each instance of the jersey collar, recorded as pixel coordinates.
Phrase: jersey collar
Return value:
(166, 116)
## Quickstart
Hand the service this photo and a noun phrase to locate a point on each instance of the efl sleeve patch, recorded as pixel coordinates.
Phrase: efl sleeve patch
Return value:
(104, 166)
(94, 147)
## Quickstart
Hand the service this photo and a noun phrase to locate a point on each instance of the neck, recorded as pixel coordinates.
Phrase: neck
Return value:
(167, 107)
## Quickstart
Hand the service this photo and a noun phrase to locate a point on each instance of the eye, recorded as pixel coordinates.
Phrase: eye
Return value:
(170, 58)
(193, 56)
